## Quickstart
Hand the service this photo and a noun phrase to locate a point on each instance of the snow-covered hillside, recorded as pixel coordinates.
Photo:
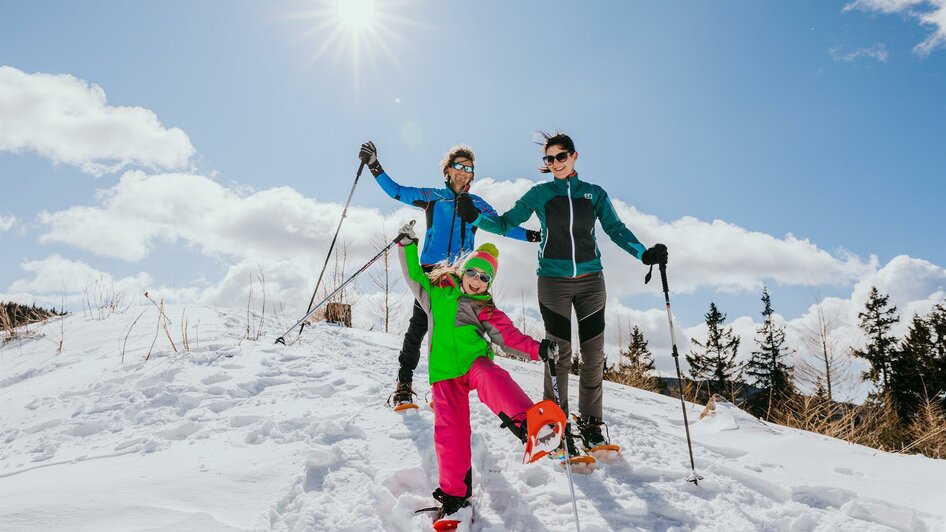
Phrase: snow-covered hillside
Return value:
(237, 435)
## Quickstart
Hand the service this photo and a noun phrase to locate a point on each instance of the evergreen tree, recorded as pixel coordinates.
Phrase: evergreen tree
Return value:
(934, 367)
(637, 356)
(906, 367)
(767, 366)
(821, 394)
(716, 360)
(876, 321)
(636, 365)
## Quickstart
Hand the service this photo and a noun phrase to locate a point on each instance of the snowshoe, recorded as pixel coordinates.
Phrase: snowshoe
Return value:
(402, 398)
(545, 424)
(595, 443)
(455, 513)
(580, 463)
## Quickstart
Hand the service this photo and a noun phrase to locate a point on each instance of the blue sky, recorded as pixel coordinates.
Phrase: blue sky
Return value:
(823, 120)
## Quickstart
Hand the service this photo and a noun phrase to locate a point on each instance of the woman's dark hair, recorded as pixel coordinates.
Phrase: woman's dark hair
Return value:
(556, 139)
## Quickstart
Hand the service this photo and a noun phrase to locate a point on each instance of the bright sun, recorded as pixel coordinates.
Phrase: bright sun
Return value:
(357, 15)
(360, 29)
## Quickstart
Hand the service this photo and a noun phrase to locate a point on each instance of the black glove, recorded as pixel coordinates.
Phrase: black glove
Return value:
(369, 156)
(465, 208)
(533, 236)
(655, 255)
(548, 350)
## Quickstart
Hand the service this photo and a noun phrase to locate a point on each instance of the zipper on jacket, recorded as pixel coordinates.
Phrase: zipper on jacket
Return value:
(453, 223)
(571, 225)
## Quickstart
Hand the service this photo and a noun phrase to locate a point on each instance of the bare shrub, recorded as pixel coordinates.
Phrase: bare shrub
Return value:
(385, 279)
(927, 431)
(254, 325)
(101, 300)
(163, 322)
(15, 320)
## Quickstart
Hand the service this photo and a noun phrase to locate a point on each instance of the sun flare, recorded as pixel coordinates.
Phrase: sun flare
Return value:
(361, 30)
(356, 15)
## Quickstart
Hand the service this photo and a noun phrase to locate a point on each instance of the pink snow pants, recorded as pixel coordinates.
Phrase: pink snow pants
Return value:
(497, 391)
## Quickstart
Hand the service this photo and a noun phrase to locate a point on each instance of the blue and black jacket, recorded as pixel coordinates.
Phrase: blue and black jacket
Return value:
(447, 236)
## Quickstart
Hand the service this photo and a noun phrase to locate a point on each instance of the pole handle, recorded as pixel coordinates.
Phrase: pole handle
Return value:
(663, 277)
(402, 235)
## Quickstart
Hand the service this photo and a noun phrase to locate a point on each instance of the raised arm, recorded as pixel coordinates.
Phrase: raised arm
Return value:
(414, 274)
(416, 196)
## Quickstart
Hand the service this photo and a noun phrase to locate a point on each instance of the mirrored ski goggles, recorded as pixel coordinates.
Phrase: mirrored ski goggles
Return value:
(473, 272)
(560, 157)
(465, 167)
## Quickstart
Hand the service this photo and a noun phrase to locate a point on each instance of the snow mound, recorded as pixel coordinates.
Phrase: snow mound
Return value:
(234, 434)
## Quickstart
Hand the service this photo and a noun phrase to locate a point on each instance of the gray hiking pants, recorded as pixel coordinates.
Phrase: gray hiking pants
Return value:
(557, 296)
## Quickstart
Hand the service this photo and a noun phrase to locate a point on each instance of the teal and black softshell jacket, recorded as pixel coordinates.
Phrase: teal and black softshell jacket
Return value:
(567, 209)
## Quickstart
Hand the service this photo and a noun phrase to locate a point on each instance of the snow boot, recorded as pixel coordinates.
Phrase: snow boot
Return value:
(596, 443)
(455, 513)
(580, 463)
(402, 398)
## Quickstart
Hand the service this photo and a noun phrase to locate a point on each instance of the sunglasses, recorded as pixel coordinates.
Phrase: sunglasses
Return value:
(459, 166)
(560, 157)
(471, 272)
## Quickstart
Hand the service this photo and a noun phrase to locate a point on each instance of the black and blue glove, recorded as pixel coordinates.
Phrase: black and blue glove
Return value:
(369, 156)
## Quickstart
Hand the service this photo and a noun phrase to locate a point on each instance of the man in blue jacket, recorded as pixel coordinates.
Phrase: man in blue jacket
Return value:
(447, 238)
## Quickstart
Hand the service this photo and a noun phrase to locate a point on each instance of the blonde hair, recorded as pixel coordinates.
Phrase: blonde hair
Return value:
(442, 269)
(460, 150)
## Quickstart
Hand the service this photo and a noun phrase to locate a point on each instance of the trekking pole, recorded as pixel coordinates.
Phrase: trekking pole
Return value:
(332, 246)
(550, 365)
(312, 310)
(694, 476)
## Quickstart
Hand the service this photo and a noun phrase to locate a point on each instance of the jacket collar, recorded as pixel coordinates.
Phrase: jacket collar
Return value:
(570, 180)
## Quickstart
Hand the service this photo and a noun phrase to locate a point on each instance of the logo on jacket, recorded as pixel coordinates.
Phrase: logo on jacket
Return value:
(588, 196)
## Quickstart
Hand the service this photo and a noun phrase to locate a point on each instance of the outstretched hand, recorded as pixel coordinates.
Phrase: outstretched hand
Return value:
(655, 255)
(465, 208)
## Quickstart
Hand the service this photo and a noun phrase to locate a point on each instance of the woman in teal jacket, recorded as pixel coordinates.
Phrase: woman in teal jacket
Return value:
(570, 270)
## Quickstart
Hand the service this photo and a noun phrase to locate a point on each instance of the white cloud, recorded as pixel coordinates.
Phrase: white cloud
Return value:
(934, 15)
(713, 254)
(7, 221)
(884, 6)
(268, 225)
(55, 281)
(937, 19)
(284, 231)
(69, 121)
(877, 51)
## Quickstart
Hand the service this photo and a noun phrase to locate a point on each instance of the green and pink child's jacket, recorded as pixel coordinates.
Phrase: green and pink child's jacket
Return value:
(459, 323)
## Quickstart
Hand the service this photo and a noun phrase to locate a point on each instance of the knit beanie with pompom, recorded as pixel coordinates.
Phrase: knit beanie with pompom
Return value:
(486, 258)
